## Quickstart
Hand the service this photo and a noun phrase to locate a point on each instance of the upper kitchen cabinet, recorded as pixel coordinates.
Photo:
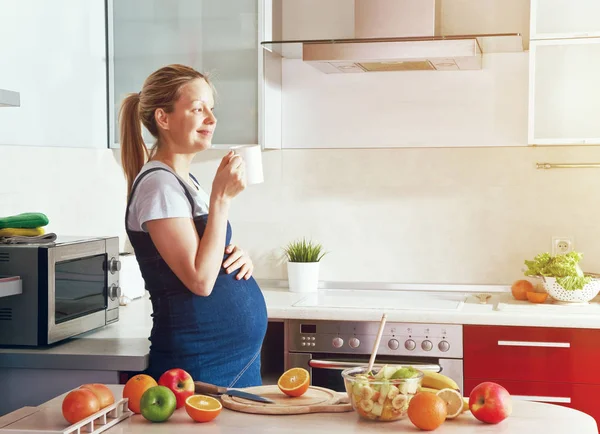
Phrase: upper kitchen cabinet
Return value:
(53, 53)
(219, 38)
(564, 96)
(556, 19)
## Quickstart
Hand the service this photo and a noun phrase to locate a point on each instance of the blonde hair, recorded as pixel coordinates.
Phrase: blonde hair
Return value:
(160, 90)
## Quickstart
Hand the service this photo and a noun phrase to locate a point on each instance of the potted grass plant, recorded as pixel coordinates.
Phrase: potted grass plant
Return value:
(303, 265)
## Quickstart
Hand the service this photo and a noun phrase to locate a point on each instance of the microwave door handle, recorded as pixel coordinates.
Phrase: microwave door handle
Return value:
(339, 365)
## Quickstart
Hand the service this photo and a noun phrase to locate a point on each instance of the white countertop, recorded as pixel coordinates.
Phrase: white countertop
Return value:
(527, 417)
(500, 309)
(124, 346)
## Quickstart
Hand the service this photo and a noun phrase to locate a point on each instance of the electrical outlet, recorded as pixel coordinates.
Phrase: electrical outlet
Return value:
(562, 245)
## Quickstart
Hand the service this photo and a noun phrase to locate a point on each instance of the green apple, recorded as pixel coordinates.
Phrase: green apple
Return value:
(158, 403)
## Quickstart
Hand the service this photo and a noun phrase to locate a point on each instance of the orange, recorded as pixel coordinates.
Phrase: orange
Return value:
(79, 404)
(202, 408)
(427, 411)
(294, 382)
(520, 288)
(135, 388)
(536, 297)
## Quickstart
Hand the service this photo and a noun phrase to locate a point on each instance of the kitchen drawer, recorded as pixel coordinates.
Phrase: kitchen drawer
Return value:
(582, 397)
(532, 354)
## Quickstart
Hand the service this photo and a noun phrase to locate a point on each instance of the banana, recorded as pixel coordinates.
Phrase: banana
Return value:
(366, 393)
(393, 392)
(465, 404)
(428, 390)
(435, 380)
(399, 401)
(366, 405)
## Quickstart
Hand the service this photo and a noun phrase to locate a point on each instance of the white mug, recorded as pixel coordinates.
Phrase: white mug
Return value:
(252, 156)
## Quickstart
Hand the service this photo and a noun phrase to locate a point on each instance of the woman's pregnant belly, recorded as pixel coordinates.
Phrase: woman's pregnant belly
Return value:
(232, 319)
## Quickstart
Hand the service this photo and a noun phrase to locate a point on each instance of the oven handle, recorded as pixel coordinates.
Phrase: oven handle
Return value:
(341, 365)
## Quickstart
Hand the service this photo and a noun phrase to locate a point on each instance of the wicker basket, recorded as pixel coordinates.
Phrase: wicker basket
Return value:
(561, 294)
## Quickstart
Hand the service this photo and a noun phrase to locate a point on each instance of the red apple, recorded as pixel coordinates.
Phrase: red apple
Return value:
(180, 382)
(490, 403)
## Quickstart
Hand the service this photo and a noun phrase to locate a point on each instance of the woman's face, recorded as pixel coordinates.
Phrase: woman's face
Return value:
(191, 123)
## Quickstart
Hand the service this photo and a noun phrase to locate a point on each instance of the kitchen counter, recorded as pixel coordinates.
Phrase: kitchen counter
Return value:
(124, 346)
(527, 417)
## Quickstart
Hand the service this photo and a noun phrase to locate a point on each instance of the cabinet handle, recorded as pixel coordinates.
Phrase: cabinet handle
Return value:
(534, 344)
(549, 399)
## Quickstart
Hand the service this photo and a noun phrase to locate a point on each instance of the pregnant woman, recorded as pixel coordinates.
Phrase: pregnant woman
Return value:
(209, 315)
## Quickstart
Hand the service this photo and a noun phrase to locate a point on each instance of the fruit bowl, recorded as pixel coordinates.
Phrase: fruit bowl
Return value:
(384, 394)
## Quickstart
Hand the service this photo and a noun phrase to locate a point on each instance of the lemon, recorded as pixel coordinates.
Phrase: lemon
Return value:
(454, 402)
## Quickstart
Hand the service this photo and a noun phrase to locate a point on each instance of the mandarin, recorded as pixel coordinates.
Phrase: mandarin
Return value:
(294, 382)
(135, 388)
(520, 288)
(202, 408)
(427, 411)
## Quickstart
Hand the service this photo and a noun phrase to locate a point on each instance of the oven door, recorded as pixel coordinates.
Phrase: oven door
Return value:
(77, 289)
(326, 368)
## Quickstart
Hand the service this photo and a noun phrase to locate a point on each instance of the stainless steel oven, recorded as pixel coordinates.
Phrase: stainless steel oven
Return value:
(325, 348)
(69, 287)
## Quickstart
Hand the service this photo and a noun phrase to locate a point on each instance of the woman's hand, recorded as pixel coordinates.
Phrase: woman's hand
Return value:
(230, 179)
(238, 259)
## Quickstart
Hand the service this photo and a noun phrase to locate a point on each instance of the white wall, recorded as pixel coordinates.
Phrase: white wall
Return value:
(486, 107)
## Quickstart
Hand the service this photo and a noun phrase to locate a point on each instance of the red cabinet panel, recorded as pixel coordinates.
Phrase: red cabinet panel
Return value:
(582, 397)
(532, 354)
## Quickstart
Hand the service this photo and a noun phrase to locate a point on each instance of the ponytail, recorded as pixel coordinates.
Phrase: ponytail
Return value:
(134, 153)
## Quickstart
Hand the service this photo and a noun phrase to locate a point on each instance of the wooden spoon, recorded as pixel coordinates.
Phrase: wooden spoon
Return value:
(377, 341)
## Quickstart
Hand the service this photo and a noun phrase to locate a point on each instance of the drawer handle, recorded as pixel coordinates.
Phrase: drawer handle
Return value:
(534, 344)
(549, 399)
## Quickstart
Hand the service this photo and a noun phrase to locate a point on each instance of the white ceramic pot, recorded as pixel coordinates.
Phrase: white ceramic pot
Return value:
(303, 276)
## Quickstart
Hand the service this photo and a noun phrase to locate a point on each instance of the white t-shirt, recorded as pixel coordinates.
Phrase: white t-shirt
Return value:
(160, 195)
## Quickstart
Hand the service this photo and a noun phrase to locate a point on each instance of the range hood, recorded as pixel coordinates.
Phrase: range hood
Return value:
(8, 98)
(397, 35)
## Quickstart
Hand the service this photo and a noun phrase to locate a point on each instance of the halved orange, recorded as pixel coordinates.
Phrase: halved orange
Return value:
(537, 297)
(202, 408)
(294, 382)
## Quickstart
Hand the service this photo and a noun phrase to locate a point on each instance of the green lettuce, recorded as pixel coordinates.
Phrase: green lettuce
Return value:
(565, 268)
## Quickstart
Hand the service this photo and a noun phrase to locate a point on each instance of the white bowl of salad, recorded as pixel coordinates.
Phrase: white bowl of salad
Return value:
(382, 394)
(563, 278)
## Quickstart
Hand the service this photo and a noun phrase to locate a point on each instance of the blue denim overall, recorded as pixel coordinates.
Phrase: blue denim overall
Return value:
(217, 339)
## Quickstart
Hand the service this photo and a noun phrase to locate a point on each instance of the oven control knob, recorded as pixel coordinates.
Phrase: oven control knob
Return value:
(410, 345)
(114, 265)
(426, 345)
(393, 344)
(114, 292)
(337, 342)
(444, 346)
(354, 343)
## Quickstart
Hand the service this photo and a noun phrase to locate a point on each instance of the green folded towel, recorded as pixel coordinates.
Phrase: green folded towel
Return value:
(25, 220)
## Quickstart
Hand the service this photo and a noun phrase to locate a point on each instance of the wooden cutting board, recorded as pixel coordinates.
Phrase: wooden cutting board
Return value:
(315, 400)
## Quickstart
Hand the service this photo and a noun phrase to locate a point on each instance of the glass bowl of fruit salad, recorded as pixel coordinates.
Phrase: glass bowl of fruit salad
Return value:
(384, 393)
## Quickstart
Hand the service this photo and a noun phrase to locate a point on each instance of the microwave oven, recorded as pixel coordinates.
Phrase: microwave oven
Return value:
(69, 287)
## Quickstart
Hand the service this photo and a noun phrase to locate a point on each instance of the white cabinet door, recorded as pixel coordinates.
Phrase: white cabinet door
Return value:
(554, 19)
(54, 54)
(564, 99)
(219, 37)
